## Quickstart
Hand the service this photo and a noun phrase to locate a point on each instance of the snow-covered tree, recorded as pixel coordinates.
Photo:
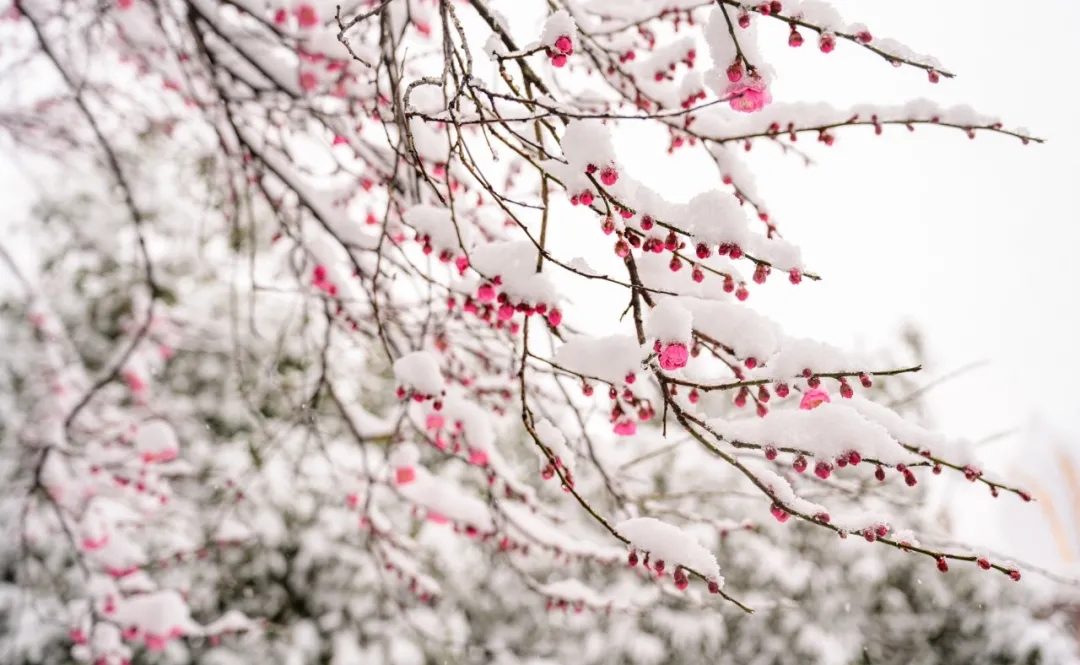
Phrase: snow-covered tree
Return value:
(307, 372)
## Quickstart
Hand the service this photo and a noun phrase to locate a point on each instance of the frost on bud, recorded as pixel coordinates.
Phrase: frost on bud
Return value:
(795, 39)
(770, 453)
(826, 42)
(823, 470)
(799, 464)
(983, 562)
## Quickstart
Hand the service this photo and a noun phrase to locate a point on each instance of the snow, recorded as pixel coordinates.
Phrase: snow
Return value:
(795, 355)
(737, 326)
(419, 371)
(572, 591)
(437, 223)
(514, 263)
(554, 439)
(668, 543)
(559, 24)
(156, 440)
(609, 359)
(826, 433)
(587, 142)
(669, 322)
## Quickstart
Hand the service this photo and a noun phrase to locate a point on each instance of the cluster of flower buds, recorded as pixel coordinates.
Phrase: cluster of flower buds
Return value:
(658, 567)
(461, 262)
(321, 281)
(548, 472)
(622, 417)
(564, 48)
(488, 294)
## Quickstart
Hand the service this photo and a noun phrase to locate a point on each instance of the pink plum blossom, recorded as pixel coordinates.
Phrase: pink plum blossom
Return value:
(813, 398)
(434, 422)
(748, 97)
(404, 475)
(674, 356)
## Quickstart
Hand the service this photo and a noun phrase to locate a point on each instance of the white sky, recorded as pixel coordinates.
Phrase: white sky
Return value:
(972, 240)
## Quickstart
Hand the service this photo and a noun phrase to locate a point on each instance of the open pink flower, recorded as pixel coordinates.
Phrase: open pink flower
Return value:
(306, 16)
(434, 422)
(120, 573)
(626, 428)
(813, 398)
(92, 544)
(748, 97)
(166, 455)
(134, 381)
(308, 81)
(404, 475)
(674, 356)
